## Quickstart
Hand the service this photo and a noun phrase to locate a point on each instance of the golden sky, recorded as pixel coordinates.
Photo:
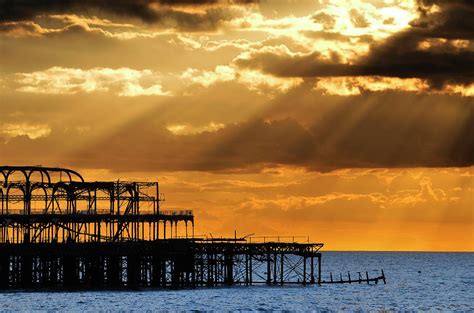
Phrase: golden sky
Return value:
(348, 121)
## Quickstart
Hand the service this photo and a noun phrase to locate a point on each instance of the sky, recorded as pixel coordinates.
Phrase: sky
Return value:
(351, 122)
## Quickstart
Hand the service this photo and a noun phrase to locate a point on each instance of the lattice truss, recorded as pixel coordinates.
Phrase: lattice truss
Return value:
(41, 204)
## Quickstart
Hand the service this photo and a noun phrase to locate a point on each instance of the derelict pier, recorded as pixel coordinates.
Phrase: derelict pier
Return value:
(58, 231)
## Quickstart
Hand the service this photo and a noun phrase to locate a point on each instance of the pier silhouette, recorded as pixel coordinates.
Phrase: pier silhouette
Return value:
(58, 231)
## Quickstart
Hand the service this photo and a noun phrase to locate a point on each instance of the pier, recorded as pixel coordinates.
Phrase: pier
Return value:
(58, 231)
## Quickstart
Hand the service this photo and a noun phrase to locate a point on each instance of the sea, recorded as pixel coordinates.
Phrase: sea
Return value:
(415, 282)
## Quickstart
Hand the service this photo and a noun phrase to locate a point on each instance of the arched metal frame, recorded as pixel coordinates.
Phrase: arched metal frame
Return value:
(109, 211)
(27, 171)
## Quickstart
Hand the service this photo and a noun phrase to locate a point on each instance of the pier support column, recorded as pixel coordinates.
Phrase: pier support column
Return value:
(282, 268)
(26, 271)
(4, 270)
(319, 268)
(45, 264)
(95, 271)
(275, 268)
(200, 271)
(54, 271)
(70, 279)
(163, 273)
(133, 271)
(269, 269)
(229, 269)
(246, 269)
(216, 269)
(175, 274)
(156, 272)
(304, 270)
(209, 269)
(113, 270)
(250, 270)
(194, 268)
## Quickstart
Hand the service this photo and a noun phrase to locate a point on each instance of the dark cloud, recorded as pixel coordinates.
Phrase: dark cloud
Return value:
(301, 128)
(286, 65)
(387, 129)
(453, 20)
(389, 21)
(327, 35)
(13, 26)
(325, 19)
(358, 19)
(159, 12)
(400, 55)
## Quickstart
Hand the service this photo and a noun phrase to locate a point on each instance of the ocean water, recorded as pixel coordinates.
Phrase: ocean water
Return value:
(415, 282)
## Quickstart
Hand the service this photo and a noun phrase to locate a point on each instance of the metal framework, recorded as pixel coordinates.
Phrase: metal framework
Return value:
(59, 231)
(40, 206)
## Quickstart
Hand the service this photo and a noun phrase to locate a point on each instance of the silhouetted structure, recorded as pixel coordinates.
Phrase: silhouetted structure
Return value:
(59, 231)
(359, 280)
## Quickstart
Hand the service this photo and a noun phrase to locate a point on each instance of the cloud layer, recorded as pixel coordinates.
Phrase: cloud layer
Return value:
(385, 129)
(436, 47)
(182, 14)
(122, 81)
(343, 84)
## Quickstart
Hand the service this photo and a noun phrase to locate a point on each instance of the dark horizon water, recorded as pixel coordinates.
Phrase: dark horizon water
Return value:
(416, 281)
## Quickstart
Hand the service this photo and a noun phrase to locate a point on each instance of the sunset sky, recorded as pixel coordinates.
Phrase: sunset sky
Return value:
(348, 121)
